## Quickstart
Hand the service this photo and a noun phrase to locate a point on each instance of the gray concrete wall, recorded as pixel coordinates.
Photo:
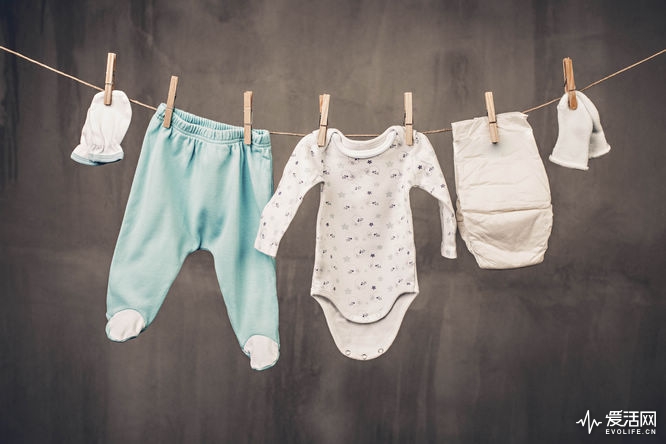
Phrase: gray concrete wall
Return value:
(482, 356)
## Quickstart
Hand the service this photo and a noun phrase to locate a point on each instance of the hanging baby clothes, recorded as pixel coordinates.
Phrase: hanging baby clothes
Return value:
(197, 186)
(503, 209)
(580, 136)
(103, 131)
(365, 271)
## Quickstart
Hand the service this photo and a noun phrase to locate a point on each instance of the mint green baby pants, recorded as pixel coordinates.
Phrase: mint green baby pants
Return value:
(197, 186)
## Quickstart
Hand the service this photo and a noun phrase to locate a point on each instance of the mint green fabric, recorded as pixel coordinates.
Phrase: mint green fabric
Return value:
(197, 186)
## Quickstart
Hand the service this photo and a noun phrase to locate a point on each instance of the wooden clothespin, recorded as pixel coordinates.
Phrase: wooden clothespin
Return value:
(324, 100)
(247, 117)
(171, 102)
(409, 120)
(110, 77)
(492, 118)
(569, 83)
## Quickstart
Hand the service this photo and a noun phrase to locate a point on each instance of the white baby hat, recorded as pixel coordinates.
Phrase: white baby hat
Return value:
(104, 129)
(580, 136)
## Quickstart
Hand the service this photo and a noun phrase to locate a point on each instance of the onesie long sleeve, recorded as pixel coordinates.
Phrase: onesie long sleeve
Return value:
(304, 169)
(365, 271)
(428, 176)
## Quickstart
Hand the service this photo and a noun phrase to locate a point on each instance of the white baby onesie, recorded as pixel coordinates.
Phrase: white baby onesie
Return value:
(365, 271)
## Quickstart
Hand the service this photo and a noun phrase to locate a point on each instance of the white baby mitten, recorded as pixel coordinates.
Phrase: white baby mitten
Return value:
(598, 144)
(580, 135)
(104, 129)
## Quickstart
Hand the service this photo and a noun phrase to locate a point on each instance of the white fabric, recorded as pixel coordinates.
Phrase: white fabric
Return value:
(124, 325)
(262, 350)
(365, 271)
(580, 135)
(365, 341)
(504, 212)
(104, 130)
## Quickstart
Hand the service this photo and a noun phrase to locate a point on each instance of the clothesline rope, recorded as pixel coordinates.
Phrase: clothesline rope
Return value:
(287, 133)
(69, 76)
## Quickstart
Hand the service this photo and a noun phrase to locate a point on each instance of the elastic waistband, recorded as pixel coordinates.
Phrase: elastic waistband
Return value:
(210, 130)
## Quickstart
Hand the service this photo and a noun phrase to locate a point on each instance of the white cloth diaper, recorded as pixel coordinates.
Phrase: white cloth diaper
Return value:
(504, 212)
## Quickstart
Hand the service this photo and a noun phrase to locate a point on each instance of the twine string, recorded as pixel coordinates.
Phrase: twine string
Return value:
(288, 133)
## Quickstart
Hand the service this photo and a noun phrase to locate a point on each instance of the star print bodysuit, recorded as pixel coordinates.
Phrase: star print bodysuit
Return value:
(365, 267)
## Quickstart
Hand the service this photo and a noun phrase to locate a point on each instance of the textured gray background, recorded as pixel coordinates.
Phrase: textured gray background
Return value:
(482, 356)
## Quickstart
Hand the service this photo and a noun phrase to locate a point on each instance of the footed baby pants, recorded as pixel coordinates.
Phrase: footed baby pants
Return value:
(197, 186)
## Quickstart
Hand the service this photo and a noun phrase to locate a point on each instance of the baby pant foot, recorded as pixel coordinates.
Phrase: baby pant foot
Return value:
(124, 325)
(263, 351)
